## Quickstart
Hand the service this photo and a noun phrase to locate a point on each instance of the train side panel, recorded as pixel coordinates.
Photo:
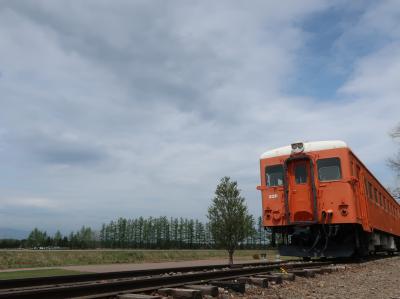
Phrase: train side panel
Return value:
(383, 211)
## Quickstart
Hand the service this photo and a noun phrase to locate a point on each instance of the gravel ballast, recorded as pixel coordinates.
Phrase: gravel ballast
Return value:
(373, 279)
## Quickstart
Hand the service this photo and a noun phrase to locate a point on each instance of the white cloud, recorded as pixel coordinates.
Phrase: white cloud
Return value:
(377, 75)
(29, 202)
(133, 108)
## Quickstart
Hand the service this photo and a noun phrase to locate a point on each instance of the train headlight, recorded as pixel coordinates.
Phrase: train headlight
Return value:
(297, 147)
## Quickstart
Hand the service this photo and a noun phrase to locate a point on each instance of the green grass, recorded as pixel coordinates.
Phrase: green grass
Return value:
(12, 259)
(36, 273)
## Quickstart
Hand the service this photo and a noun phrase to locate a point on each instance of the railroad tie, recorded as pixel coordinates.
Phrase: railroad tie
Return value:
(303, 273)
(258, 281)
(138, 296)
(204, 289)
(179, 293)
(236, 286)
(272, 277)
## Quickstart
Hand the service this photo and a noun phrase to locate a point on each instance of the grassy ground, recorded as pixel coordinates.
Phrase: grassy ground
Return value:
(12, 259)
(36, 273)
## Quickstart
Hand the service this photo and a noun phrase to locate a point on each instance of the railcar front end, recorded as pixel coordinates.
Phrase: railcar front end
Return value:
(311, 200)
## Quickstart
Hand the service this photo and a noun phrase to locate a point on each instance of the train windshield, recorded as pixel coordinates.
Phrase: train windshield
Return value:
(274, 175)
(329, 169)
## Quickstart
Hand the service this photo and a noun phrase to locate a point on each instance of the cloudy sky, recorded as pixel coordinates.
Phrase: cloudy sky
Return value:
(129, 108)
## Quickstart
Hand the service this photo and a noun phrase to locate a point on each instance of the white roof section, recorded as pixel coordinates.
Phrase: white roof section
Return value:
(308, 147)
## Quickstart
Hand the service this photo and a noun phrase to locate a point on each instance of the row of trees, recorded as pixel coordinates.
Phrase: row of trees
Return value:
(170, 233)
(140, 233)
(82, 239)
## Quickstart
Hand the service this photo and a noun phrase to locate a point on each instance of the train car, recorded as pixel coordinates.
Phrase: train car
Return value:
(320, 200)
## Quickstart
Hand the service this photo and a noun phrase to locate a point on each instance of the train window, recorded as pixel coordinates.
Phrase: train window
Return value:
(376, 195)
(329, 169)
(300, 174)
(274, 175)
(366, 187)
(370, 190)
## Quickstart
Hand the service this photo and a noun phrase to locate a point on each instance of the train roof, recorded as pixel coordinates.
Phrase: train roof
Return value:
(308, 147)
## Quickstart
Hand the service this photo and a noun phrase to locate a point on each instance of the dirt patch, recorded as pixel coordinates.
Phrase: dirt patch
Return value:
(374, 279)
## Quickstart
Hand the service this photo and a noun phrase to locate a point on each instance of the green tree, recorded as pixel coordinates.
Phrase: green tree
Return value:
(230, 221)
(37, 238)
(394, 162)
(57, 238)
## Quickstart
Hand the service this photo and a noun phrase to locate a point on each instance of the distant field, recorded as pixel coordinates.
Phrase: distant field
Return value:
(13, 259)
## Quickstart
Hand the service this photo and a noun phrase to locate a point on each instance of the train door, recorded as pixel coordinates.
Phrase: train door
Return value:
(355, 172)
(300, 193)
(361, 204)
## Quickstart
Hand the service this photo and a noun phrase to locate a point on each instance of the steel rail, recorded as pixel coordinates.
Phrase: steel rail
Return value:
(62, 279)
(112, 287)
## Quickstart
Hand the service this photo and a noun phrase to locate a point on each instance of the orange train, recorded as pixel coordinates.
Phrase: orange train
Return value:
(320, 200)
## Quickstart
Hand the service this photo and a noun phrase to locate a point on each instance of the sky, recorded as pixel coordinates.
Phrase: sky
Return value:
(137, 108)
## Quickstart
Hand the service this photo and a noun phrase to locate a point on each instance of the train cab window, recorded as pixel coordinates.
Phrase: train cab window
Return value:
(329, 169)
(274, 175)
(370, 190)
(300, 174)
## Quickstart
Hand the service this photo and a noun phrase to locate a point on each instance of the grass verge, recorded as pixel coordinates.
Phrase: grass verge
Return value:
(11, 259)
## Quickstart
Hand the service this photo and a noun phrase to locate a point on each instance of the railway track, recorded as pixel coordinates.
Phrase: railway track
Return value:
(112, 285)
(37, 281)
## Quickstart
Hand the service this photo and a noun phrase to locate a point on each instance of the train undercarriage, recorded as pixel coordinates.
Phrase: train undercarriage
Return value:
(331, 241)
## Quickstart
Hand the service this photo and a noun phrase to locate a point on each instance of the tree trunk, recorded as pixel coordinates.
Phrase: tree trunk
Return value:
(231, 256)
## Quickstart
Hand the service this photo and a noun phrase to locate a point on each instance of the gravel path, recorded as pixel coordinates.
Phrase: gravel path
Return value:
(374, 279)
